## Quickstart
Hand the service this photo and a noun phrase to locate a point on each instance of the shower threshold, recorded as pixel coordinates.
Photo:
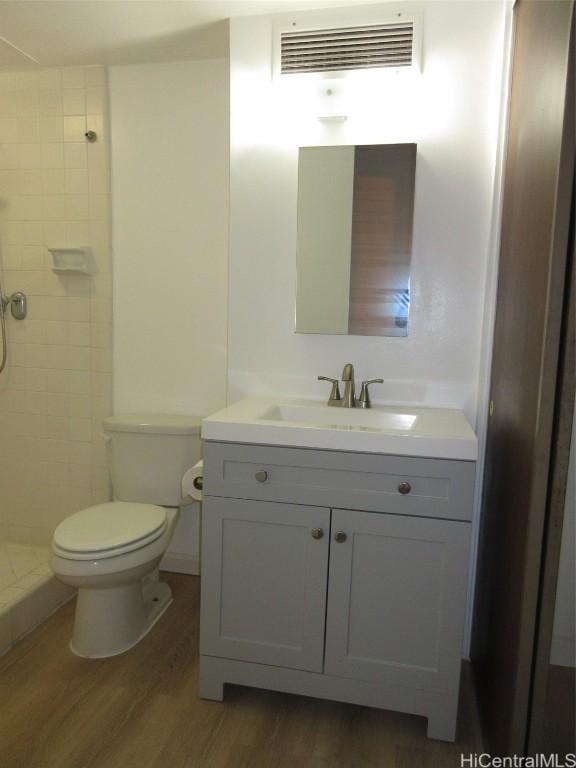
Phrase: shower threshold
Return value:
(29, 592)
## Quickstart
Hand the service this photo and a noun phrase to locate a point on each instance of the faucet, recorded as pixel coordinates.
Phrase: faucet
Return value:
(349, 399)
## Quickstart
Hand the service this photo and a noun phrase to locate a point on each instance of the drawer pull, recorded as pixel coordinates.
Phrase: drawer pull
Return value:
(261, 475)
(404, 488)
(340, 537)
(317, 533)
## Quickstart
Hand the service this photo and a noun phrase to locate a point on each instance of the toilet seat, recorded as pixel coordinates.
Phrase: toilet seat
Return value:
(108, 530)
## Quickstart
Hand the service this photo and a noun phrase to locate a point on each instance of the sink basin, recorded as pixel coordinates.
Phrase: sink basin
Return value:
(401, 431)
(322, 416)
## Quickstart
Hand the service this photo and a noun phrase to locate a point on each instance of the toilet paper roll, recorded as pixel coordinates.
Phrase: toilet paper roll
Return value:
(192, 482)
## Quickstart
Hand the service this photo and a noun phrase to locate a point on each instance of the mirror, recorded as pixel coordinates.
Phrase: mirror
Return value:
(354, 245)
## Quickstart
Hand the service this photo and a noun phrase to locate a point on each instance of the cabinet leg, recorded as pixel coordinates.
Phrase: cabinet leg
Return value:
(210, 683)
(211, 689)
(442, 724)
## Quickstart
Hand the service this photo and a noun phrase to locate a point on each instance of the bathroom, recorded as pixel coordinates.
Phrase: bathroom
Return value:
(158, 143)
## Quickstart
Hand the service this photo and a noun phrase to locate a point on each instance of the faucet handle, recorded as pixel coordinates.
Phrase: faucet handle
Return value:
(364, 399)
(334, 398)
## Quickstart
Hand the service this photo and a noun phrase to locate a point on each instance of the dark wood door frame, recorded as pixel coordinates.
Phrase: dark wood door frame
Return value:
(556, 505)
(532, 272)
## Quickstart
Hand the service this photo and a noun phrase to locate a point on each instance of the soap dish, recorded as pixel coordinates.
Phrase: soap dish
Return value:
(75, 261)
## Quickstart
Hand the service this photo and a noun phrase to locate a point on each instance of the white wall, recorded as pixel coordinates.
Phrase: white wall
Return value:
(452, 111)
(170, 150)
(563, 650)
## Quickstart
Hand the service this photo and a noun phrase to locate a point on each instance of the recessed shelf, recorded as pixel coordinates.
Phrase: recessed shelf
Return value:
(77, 260)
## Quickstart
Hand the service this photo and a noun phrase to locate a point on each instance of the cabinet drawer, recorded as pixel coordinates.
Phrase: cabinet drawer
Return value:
(432, 487)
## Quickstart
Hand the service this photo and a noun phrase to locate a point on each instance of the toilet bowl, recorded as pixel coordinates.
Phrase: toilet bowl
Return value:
(111, 552)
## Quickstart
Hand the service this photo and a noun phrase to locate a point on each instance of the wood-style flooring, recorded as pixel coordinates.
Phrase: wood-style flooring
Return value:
(141, 710)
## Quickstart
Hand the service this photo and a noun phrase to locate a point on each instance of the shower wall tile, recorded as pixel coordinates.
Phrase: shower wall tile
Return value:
(54, 191)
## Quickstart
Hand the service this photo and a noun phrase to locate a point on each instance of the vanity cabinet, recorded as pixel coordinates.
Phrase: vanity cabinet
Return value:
(363, 604)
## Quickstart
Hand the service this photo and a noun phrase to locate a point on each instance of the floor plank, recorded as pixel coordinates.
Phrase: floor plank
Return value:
(141, 710)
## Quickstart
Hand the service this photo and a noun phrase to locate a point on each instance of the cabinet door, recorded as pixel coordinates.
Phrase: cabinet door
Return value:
(396, 599)
(264, 582)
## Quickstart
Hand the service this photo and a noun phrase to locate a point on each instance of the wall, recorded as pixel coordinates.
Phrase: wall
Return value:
(452, 111)
(563, 650)
(170, 163)
(170, 151)
(54, 190)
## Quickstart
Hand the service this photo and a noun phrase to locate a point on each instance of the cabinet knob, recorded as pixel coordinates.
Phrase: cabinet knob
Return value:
(340, 537)
(317, 533)
(261, 475)
(404, 488)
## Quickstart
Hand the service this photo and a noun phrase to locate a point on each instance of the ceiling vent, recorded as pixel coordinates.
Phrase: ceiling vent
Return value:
(345, 48)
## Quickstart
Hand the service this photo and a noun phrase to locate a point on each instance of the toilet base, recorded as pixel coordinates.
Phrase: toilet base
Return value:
(109, 622)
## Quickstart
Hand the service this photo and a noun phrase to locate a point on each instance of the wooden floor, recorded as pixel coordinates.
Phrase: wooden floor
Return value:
(141, 710)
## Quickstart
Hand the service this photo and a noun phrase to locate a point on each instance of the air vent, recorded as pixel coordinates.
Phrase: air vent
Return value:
(329, 50)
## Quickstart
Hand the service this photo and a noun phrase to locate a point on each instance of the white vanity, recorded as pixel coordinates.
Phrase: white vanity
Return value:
(335, 553)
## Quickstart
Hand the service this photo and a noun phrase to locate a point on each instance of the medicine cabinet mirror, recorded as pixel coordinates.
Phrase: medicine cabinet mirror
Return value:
(354, 246)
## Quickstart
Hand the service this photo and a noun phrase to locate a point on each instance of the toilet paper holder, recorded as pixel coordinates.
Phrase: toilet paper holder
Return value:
(193, 482)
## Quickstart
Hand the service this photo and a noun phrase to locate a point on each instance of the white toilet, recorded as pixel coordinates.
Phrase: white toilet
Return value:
(111, 552)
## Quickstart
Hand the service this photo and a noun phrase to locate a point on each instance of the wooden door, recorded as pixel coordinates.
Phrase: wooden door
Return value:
(396, 599)
(531, 287)
(264, 582)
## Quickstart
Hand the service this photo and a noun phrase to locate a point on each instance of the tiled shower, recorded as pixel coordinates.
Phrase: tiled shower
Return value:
(54, 192)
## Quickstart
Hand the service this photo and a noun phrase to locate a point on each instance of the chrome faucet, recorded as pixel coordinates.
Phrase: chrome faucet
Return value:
(349, 399)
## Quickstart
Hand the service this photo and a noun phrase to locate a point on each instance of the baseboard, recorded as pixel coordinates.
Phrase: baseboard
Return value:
(179, 563)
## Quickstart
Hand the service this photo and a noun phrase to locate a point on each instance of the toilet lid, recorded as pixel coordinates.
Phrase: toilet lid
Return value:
(109, 529)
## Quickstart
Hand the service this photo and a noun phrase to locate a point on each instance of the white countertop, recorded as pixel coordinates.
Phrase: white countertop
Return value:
(440, 433)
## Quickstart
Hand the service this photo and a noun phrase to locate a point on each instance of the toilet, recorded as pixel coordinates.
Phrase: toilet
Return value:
(111, 552)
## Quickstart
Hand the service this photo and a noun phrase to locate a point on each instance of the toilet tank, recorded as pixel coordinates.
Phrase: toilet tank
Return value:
(148, 454)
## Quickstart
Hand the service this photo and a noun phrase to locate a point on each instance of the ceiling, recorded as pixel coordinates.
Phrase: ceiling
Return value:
(80, 32)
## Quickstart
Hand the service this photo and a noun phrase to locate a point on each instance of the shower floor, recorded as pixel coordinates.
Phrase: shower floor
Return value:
(21, 567)
(28, 590)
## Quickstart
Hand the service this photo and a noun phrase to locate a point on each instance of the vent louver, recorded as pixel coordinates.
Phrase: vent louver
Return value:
(363, 47)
